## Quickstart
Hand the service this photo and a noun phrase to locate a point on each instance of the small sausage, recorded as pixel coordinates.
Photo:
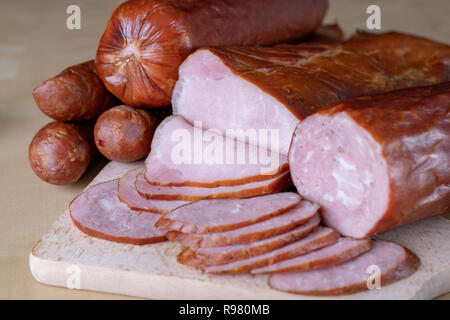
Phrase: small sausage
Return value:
(125, 134)
(60, 152)
(77, 93)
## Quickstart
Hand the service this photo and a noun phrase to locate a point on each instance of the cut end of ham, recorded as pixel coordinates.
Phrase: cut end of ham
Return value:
(228, 101)
(218, 215)
(98, 212)
(128, 194)
(337, 163)
(378, 162)
(184, 155)
(393, 261)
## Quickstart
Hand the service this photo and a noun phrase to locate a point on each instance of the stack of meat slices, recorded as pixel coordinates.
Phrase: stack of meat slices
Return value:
(126, 209)
(187, 164)
(280, 234)
(184, 155)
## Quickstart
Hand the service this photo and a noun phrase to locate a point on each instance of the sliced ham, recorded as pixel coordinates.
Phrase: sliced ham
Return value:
(98, 212)
(184, 155)
(203, 257)
(394, 262)
(188, 193)
(275, 88)
(377, 162)
(345, 249)
(282, 223)
(218, 215)
(319, 238)
(128, 194)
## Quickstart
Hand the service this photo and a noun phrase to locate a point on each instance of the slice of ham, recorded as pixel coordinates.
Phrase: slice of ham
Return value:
(345, 249)
(203, 257)
(128, 194)
(98, 212)
(319, 238)
(181, 157)
(188, 193)
(282, 223)
(394, 262)
(218, 215)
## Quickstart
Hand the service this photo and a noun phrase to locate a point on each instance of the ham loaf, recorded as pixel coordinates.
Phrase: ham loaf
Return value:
(395, 263)
(276, 88)
(376, 163)
(98, 212)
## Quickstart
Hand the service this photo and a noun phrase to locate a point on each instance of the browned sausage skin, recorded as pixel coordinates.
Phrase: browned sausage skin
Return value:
(77, 93)
(125, 134)
(146, 40)
(60, 152)
(375, 163)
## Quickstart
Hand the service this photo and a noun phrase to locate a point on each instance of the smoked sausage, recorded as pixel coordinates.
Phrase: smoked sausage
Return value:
(60, 152)
(76, 94)
(145, 41)
(125, 134)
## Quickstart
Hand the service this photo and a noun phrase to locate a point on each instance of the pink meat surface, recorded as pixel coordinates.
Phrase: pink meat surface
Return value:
(377, 162)
(203, 257)
(220, 215)
(345, 249)
(223, 93)
(394, 262)
(182, 154)
(189, 193)
(98, 212)
(319, 238)
(128, 194)
(338, 164)
(282, 223)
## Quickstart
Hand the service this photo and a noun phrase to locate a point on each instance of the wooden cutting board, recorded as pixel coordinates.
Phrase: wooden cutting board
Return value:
(64, 256)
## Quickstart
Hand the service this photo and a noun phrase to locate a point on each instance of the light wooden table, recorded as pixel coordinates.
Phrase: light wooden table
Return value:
(34, 45)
